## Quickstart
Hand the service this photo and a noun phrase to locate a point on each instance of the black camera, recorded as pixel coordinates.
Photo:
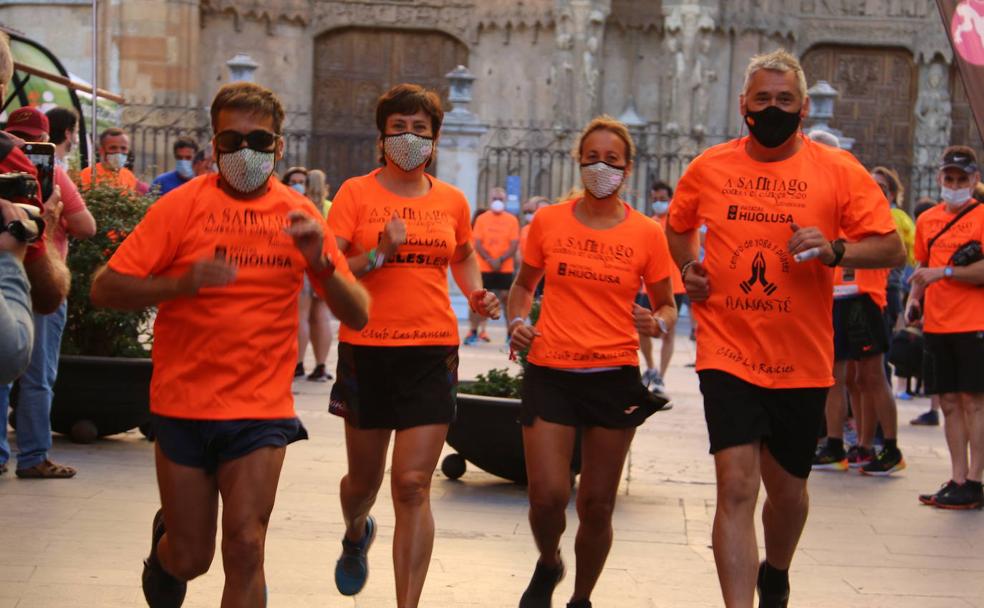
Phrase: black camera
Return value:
(16, 187)
(967, 254)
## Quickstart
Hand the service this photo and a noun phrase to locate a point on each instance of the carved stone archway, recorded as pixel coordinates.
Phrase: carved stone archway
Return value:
(352, 68)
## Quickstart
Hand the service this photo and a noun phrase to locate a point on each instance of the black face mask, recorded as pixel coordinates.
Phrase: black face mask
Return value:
(771, 127)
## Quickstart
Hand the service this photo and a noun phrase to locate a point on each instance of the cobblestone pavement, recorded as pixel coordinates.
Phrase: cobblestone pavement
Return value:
(868, 543)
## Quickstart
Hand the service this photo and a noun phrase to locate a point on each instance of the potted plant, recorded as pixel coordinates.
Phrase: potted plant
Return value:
(486, 430)
(103, 384)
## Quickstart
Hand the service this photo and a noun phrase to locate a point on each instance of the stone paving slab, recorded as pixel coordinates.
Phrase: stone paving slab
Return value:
(868, 543)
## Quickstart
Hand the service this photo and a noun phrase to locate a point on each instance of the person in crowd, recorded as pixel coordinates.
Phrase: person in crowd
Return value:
(496, 235)
(203, 162)
(63, 127)
(930, 417)
(401, 229)
(660, 196)
(947, 294)
(16, 320)
(296, 178)
(583, 366)
(114, 150)
(184, 150)
(220, 395)
(48, 276)
(763, 297)
(38, 381)
(530, 207)
(314, 322)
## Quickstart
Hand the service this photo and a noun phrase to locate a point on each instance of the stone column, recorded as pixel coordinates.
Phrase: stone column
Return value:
(933, 108)
(459, 148)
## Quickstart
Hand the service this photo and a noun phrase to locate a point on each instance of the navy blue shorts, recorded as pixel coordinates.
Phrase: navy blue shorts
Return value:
(205, 444)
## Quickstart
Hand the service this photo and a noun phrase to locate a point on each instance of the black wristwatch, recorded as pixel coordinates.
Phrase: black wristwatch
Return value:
(838, 248)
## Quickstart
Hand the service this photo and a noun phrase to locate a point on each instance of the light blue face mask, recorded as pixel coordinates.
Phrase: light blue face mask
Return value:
(184, 168)
(299, 187)
(661, 207)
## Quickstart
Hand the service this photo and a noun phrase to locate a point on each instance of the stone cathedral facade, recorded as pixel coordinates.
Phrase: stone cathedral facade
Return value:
(672, 67)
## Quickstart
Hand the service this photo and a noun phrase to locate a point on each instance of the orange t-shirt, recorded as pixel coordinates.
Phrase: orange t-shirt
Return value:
(496, 231)
(229, 352)
(524, 234)
(768, 318)
(950, 306)
(591, 278)
(124, 178)
(410, 304)
(675, 277)
(870, 281)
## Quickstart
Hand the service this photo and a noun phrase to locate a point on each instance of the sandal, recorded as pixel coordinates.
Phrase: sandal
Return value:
(47, 470)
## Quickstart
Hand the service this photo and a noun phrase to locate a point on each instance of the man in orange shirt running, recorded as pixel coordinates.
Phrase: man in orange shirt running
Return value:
(774, 204)
(950, 276)
(496, 237)
(114, 146)
(223, 259)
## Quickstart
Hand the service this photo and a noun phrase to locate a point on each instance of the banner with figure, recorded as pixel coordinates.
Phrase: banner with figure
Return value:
(964, 23)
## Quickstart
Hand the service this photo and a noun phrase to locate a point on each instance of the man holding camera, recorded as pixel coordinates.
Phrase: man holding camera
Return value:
(948, 249)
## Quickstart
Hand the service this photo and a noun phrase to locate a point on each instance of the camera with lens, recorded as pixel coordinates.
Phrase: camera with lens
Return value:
(22, 190)
(967, 254)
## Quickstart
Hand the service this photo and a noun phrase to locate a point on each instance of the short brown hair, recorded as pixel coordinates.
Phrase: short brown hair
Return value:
(292, 171)
(250, 97)
(184, 142)
(409, 99)
(979, 191)
(110, 132)
(894, 182)
(606, 123)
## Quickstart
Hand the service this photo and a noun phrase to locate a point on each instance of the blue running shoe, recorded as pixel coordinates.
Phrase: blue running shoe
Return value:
(352, 568)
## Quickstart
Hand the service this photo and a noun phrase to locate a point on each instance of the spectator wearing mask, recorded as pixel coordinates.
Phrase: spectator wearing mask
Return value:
(296, 178)
(314, 322)
(114, 149)
(37, 382)
(496, 240)
(63, 131)
(184, 150)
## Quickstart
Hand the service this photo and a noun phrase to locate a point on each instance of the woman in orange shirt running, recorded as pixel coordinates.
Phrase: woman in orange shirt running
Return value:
(593, 252)
(400, 229)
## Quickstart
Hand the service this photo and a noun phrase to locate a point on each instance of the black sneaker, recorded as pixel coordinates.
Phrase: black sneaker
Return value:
(299, 369)
(161, 590)
(539, 592)
(829, 459)
(352, 568)
(579, 604)
(772, 598)
(319, 374)
(966, 496)
(930, 499)
(884, 464)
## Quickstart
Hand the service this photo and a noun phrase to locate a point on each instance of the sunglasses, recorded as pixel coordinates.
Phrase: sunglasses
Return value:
(259, 140)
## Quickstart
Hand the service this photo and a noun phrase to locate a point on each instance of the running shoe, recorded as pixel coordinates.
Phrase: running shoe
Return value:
(352, 568)
(652, 380)
(160, 589)
(858, 456)
(930, 499)
(884, 464)
(579, 604)
(903, 396)
(966, 496)
(319, 374)
(930, 418)
(771, 598)
(484, 337)
(471, 338)
(299, 369)
(829, 459)
(539, 592)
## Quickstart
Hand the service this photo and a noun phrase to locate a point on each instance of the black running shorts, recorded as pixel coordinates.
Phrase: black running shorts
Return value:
(614, 399)
(954, 363)
(497, 281)
(785, 420)
(395, 387)
(859, 328)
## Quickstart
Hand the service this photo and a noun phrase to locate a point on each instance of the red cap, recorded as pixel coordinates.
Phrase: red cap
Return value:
(29, 121)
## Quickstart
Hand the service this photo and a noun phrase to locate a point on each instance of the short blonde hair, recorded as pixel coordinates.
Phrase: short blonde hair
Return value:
(779, 60)
(317, 189)
(6, 60)
(606, 123)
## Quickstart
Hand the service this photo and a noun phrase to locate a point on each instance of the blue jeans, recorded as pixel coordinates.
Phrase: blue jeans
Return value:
(36, 390)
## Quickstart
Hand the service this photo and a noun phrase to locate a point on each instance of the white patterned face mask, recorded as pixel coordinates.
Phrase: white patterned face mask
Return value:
(601, 179)
(245, 170)
(408, 150)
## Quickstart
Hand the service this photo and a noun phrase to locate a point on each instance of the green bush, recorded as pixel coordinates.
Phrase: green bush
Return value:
(100, 331)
